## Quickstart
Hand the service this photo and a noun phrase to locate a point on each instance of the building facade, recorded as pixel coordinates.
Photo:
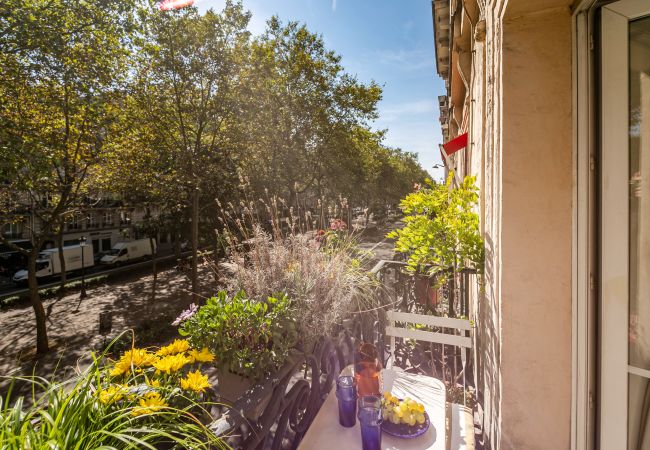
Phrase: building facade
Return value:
(103, 222)
(554, 96)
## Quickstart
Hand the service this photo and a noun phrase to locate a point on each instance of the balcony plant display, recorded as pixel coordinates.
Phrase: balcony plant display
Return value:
(321, 271)
(148, 398)
(441, 233)
(252, 337)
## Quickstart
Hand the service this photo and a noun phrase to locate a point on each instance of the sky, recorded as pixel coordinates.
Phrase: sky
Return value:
(388, 41)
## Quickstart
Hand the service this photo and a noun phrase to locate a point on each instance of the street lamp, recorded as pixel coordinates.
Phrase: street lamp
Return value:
(82, 244)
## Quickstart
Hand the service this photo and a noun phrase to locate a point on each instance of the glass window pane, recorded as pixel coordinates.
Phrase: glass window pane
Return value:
(639, 334)
(639, 320)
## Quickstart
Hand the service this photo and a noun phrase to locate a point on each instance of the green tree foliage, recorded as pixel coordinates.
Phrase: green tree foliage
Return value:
(308, 125)
(441, 228)
(63, 63)
(183, 103)
(169, 110)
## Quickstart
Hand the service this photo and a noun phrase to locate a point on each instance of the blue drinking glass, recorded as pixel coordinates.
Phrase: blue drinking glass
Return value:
(370, 421)
(346, 392)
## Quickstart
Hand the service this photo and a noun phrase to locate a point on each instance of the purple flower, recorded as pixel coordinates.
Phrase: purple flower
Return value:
(186, 314)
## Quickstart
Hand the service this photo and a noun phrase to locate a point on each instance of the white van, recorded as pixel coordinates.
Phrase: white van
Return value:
(48, 263)
(123, 252)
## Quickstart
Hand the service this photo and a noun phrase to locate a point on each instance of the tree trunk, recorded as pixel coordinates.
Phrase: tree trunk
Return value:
(61, 292)
(154, 268)
(195, 242)
(42, 345)
(177, 243)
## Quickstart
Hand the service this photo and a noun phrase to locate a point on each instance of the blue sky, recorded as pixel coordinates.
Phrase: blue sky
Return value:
(389, 41)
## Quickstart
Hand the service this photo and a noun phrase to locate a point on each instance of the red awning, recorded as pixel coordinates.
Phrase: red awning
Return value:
(458, 143)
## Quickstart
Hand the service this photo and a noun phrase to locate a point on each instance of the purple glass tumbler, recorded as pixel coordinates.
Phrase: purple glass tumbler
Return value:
(346, 392)
(370, 421)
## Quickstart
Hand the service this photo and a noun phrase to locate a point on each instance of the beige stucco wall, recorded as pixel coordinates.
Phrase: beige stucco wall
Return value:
(536, 233)
(522, 156)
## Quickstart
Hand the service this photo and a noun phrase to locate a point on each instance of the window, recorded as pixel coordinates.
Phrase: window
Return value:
(125, 218)
(92, 220)
(106, 244)
(74, 223)
(108, 219)
(95, 246)
(11, 230)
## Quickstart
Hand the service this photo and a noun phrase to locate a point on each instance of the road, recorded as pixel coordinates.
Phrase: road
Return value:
(9, 289)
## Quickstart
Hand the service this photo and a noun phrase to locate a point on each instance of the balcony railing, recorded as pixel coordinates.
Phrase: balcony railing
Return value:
(277, 412)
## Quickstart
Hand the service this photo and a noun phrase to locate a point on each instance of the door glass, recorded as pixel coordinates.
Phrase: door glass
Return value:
(639, 320)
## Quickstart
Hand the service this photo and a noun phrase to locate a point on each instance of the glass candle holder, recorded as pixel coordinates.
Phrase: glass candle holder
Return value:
(346, 392)
(370, 421)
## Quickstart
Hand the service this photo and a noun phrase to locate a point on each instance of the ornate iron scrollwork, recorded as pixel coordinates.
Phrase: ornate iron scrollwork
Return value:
(295, 394)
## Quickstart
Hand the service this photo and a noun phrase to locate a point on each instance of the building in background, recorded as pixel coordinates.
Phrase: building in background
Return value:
(552, 98)
(103, 222)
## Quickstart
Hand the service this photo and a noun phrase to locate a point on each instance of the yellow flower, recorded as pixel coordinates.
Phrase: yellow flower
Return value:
(112, 394)
(176, 347)
(150, 402)
(153, 383)
(195, 381)
(136, 357)
(172, 363)
(201, 356)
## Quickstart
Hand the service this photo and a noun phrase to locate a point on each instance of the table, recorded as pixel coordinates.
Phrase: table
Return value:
(326, 433)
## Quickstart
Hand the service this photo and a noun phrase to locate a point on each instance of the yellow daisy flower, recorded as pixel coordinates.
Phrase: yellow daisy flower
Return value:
(136, 357)
(150, 402)
(172, 363)
(195, 381)
(176, 347)
(111, 395)
(153, 383)
(201, 356)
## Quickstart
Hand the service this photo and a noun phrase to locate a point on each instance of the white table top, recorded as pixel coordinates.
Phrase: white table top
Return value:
(326, 433)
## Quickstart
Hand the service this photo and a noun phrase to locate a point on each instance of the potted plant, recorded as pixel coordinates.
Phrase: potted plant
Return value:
(251, 337)
(441, 234)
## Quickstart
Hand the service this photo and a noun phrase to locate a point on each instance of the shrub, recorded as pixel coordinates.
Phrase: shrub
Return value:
(125, 404)
(251, 337)
(441, 229)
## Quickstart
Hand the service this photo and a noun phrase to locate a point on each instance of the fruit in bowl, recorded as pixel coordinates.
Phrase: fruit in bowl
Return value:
(406, 411)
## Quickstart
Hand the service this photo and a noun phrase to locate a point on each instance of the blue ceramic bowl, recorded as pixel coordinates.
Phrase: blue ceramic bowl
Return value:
(404, 430)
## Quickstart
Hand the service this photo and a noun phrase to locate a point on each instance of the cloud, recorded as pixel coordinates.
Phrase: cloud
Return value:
(407, 59)
(398, 111)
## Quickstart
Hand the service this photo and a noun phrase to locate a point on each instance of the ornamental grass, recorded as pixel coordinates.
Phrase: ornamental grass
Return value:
(273, 247)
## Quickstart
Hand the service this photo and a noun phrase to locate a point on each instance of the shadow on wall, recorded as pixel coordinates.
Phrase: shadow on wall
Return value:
(488, 348)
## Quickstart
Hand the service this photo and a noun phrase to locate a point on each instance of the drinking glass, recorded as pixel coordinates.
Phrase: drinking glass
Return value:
(346, 392)
(370, 422)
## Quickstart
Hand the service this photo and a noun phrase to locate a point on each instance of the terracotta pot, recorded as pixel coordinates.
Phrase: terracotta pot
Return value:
(425, 294)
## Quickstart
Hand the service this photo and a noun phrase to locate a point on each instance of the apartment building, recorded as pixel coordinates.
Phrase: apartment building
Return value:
(548, 105)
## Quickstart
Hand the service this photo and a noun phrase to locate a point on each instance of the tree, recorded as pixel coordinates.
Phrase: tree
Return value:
(302, 110)
(59, 91)
(185, 87)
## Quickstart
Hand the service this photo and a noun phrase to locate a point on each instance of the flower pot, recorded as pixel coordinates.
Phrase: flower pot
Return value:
(231, 387)
(425, 294)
